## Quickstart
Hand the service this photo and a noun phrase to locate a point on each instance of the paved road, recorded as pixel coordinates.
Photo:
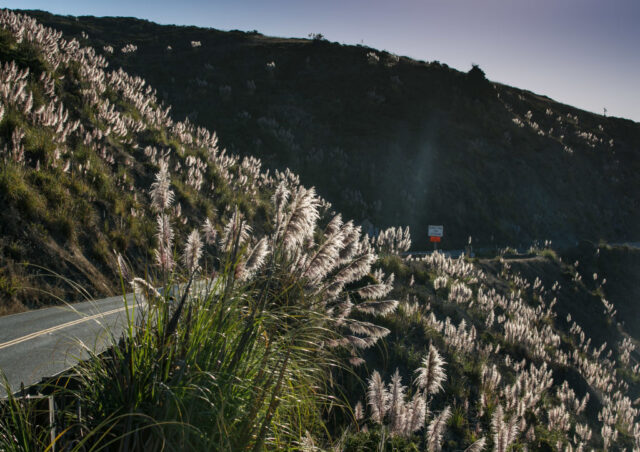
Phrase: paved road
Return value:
(44, 342)
(629, 244)
(449, 253)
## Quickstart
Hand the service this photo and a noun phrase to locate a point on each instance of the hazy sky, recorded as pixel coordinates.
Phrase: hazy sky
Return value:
(581, 52)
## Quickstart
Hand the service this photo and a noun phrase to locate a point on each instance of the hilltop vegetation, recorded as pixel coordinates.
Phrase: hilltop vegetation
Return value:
(390, 140)
(308, 334)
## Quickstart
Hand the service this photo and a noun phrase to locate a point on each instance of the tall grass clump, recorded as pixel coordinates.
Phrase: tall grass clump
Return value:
(234, 351)
(19, 430)
(239, 316)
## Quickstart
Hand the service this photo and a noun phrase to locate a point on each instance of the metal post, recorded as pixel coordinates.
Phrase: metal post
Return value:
(52, 423)
(79, 407)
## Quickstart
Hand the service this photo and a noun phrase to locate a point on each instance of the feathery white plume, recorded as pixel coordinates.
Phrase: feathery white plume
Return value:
(164, 256)
(477, 446)
(377, 397)
(504, 433)
(378, 307)
(256, 258)
(396, 402)
(431, 374)
(236, 231)
(192, 252)
(436, 430)
(415, 414)
(145, 291)
(209, 232)
(161, 195)
(297, 225)
(123, 268)
(358, 412)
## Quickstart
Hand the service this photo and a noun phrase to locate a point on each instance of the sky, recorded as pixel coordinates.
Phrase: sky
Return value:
(585, 53)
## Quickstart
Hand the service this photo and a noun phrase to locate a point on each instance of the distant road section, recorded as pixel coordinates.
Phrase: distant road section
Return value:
(629, 244)
(44, 342)
(449, 253)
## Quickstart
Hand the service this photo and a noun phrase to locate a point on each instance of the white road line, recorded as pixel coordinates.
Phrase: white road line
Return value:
(58, 327)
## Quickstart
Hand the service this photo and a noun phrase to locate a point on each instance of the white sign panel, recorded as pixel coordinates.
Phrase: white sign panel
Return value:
(436, 231)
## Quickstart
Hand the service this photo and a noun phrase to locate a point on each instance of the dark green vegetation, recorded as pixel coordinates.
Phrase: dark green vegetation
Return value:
(620, 266)
(391, 140)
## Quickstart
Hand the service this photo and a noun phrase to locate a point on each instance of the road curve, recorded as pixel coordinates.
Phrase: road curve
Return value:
(44, 342)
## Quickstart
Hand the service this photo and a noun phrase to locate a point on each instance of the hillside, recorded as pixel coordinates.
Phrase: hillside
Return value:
(390, 140)
(309, 335)
(519, 329)
(80, 148)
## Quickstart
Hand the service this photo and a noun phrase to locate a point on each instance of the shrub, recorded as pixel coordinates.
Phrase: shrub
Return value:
(476, 74)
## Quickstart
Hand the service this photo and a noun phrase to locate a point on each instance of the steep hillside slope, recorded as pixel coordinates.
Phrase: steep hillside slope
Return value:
(516, 352)
(535, 334)
(80, 145)
(619, 267)
(241, 363)
(391, 140)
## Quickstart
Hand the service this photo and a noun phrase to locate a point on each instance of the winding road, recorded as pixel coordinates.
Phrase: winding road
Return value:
(44, 342)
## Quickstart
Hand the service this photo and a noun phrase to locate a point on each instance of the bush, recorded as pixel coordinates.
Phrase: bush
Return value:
(549, 254)
(476, 74)
(394, 264)
(18, 193)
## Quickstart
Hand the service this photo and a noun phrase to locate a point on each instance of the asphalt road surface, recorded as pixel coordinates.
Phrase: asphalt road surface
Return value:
(449, 253)
(44, 342)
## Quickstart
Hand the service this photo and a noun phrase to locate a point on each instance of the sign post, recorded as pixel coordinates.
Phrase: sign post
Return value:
(435, 234)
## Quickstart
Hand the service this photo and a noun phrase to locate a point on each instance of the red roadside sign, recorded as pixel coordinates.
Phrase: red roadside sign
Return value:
(434, 239)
